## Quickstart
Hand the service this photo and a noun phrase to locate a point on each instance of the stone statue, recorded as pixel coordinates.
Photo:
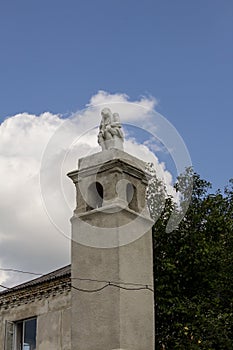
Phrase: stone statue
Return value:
(110, 131)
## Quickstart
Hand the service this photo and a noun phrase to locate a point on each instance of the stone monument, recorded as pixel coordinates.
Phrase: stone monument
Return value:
(112, 263)
(110, 132)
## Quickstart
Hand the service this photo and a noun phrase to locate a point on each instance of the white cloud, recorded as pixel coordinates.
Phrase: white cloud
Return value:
(36, 152)
(128, 110)
(24, 227)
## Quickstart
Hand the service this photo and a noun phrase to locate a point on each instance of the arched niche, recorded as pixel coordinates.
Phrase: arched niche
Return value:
(95, 195)
(131, 196)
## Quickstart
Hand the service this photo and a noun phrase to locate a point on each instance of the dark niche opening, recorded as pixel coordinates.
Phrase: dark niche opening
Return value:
(94, 196)
(131, 196)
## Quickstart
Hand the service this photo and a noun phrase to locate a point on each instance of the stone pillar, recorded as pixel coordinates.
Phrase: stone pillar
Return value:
(112, 263)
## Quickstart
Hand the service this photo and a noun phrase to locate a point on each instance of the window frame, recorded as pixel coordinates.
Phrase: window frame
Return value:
(18, 333)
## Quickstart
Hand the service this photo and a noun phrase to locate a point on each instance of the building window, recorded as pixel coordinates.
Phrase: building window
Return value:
(21, 335)
(9, 336)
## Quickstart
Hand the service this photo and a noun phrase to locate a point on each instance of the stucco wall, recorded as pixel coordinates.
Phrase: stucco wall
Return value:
(53, 320)
(111, 242)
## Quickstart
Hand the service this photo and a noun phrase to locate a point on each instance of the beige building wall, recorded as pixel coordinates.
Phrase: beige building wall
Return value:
(53, 313)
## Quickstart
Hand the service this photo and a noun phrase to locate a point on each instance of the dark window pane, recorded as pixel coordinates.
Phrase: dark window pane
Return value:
(29, 341)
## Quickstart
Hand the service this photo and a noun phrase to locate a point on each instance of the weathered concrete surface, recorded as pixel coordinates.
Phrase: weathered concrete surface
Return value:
(53, 315)
(112, 318)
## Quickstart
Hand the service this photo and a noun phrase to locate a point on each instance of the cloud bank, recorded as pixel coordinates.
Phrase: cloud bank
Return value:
(37, 198)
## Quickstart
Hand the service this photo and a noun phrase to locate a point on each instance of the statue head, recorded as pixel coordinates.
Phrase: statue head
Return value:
(116, 117)
(106, 114)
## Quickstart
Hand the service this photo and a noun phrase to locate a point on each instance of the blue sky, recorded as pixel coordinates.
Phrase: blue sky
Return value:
(55, 55)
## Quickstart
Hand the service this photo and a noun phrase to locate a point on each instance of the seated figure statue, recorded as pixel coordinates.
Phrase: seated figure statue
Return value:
(110, 131)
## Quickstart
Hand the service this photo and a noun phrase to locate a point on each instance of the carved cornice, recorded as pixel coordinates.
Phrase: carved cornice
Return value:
(15, 297)
(118, 165)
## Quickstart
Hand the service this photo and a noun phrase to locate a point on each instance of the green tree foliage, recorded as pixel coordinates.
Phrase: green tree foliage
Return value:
(193, 268)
